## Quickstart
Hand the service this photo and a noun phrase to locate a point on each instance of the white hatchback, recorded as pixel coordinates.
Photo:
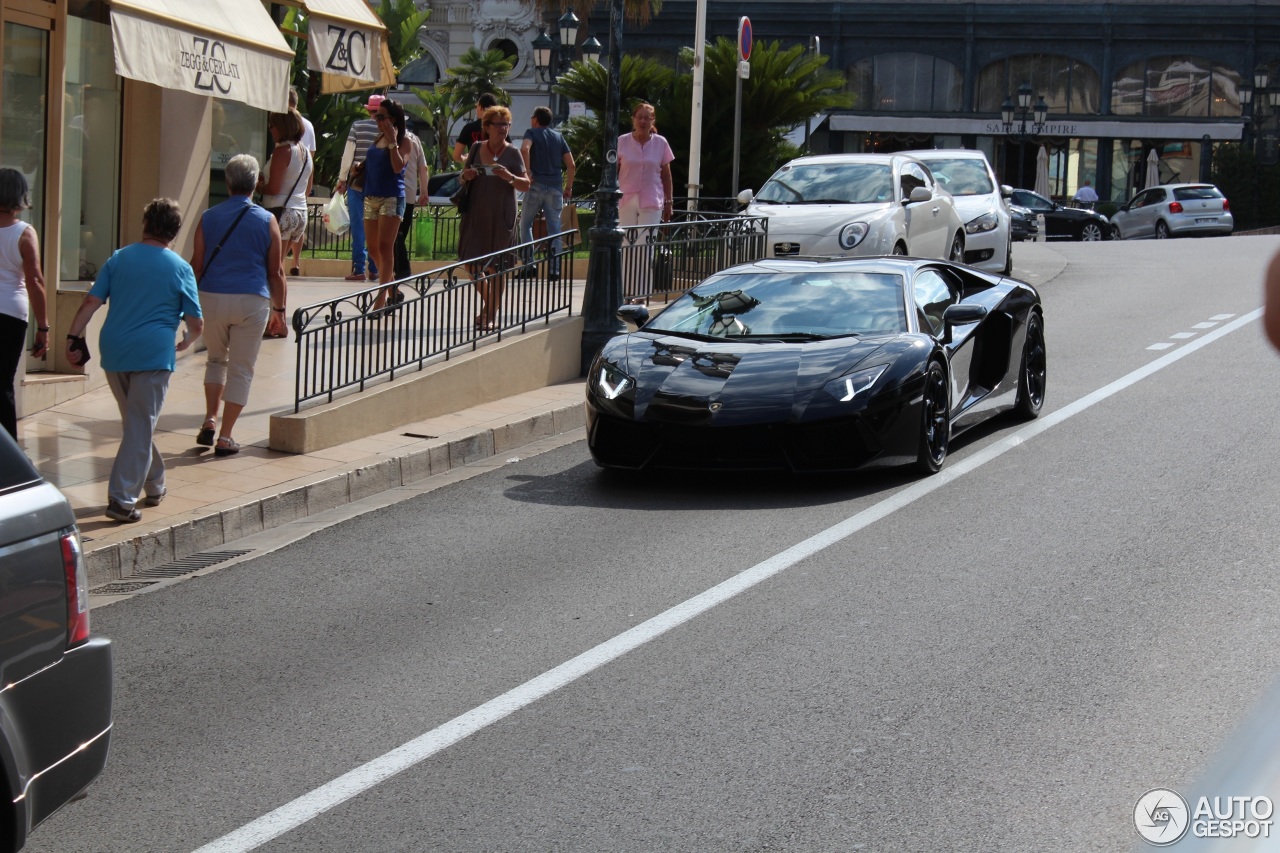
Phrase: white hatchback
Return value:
(857, 205)
(979, 200)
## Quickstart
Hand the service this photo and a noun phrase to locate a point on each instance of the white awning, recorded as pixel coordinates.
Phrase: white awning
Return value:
(228, 49)
(346, 38)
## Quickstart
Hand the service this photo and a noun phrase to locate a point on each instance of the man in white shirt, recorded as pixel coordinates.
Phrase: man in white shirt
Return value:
(415, 193)
(1086, 194)
(308, 129)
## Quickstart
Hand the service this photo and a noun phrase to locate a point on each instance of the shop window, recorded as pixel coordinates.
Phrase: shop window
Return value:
(1068, 86)
(91, 105)
(22, 110)
(906, 82)
(237, 129)
(1176, 86)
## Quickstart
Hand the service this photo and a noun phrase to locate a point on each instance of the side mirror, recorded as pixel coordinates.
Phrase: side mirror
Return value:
(634, 315)
(962, 315)
(745, 197)
(919, 194)
(1006, 191)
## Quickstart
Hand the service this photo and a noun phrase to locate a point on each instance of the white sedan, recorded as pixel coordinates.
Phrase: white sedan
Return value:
(857, 205)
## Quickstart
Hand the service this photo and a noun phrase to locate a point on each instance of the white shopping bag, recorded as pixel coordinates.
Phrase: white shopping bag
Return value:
(336, 220)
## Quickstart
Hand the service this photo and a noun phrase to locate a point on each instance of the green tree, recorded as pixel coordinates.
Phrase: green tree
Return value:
(787, 86)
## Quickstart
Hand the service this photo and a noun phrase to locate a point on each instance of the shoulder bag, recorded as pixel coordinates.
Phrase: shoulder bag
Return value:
(218, 248)
(462, 198)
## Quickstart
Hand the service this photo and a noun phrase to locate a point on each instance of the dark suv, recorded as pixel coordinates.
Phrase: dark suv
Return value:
(55, 703)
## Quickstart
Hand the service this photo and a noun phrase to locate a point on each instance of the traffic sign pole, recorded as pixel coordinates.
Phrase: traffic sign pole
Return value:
(744, 71)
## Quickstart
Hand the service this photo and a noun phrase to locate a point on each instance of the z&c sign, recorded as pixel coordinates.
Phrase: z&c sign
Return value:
(343, 50)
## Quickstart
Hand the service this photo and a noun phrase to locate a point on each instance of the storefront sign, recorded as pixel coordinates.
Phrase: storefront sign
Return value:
(1085, 128)
(337, 47)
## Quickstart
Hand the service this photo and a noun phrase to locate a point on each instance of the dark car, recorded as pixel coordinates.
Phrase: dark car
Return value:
(1064, 223)
(817, 365)
(443, 185)
(55, 706)
(1022, 224)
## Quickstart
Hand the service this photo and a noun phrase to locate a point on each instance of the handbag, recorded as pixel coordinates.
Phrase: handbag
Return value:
(355, 177)
(462, 198)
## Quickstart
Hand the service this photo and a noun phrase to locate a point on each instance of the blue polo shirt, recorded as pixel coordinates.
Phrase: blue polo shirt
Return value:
(147, 290)
(546, 156)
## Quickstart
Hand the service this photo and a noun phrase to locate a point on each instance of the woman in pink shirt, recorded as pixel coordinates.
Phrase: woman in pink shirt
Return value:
(644, 171)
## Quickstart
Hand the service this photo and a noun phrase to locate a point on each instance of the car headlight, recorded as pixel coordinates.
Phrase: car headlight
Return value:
(852, 234)
(849, 386)
(985, 222)
(611, 382)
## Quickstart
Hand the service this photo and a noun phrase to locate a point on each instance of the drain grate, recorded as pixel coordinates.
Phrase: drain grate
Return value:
(187, 565)
(121, 588)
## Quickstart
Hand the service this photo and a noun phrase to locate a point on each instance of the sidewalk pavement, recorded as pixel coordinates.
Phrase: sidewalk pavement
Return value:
(212, 501)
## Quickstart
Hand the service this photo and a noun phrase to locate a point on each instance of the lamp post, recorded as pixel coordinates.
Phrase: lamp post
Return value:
(552, 57)
(1256, 100)
(603, 293)
(1020, 112)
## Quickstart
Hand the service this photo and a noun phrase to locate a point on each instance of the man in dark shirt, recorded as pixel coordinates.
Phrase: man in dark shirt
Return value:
(549, 162)
(473, 131)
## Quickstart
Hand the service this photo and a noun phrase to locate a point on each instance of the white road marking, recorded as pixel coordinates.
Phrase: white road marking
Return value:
(1204, 325)
(1160, 346)
(1182, 336)
(354, 782)
(1221, 317)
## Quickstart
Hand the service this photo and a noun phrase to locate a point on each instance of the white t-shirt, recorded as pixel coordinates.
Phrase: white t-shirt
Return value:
(13, 276)
(308, 135)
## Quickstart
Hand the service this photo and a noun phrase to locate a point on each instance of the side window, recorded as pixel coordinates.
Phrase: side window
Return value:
(933, 295)
(912, 176)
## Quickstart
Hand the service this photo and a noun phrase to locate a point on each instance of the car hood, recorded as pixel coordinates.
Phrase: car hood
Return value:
(679, 379)
(1076, 214)
(817, 218)
(970, 207)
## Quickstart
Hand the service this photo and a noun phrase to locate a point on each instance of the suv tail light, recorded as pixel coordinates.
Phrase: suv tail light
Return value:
(77, 588)
(1175, 207)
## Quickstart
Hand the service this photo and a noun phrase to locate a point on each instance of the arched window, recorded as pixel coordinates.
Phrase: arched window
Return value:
(907, 82)
(1176, 86)
(1067, 86)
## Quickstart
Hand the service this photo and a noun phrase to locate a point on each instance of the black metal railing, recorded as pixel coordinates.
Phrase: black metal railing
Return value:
(661, 260)
(432, 237)
(347, 343)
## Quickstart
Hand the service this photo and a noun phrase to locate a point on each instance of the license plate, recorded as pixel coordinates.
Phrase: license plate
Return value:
(1202, 220)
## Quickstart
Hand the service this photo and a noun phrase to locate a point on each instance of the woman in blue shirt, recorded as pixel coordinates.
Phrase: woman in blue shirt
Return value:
(384, 193)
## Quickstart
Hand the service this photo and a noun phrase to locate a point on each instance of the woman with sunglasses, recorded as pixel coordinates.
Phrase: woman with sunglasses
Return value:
(494, 173)
(384, 194)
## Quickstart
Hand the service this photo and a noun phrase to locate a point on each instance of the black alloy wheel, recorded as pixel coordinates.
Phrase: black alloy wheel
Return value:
(935, 420)
(1033, 373)
(1091, 232)
(1162, 230)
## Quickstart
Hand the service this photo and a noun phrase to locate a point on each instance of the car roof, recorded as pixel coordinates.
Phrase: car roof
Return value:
(947, 154)
(849, 158)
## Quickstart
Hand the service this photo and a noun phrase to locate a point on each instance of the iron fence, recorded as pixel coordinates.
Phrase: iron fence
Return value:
(671, 257)
(347, 342)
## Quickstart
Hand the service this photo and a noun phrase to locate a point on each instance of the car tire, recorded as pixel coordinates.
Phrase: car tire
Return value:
(935, 420)
(1033, 370)
(900, 249)
(1008, 258)
(1090, 232)
(957, 249)
(1162, 230)
(1115, 232)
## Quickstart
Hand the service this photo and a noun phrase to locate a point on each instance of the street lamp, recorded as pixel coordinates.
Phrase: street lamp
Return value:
(1255, 99)
(552, 57)
(1021, 111)
(603, 295)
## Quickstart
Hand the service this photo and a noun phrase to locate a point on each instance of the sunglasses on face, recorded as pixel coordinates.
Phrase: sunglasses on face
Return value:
(498, 124)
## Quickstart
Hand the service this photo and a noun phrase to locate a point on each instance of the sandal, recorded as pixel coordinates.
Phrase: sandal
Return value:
(227, 446)
(205, 437)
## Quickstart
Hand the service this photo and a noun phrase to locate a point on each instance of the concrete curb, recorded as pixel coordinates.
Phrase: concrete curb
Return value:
(221, 525)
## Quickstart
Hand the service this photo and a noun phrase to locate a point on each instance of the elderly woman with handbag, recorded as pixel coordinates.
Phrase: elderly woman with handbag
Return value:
(493, 175)
(238, 264)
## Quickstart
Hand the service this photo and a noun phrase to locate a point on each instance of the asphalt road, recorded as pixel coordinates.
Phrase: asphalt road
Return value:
(1002, 657)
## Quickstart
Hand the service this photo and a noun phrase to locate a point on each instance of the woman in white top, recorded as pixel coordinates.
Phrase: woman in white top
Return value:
(285, 185)
(21, 291)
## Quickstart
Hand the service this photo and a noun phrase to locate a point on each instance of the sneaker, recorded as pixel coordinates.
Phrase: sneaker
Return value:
(555, 276)
(154, 500)
(117, 512)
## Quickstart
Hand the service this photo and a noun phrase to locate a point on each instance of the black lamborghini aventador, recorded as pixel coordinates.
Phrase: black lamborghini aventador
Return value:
(817, 365)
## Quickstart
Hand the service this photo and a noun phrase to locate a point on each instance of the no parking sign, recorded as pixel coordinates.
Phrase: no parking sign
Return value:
(744, 47)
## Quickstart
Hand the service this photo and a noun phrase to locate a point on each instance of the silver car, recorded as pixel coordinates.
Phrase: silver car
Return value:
(968, 176)
(1173, 210)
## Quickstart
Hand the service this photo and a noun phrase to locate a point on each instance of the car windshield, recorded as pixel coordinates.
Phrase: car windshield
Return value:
(962, 177)
(1192, 193)
(789, 306)
(829, 183)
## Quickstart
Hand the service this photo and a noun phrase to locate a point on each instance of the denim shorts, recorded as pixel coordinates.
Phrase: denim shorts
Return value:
(381, 205)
